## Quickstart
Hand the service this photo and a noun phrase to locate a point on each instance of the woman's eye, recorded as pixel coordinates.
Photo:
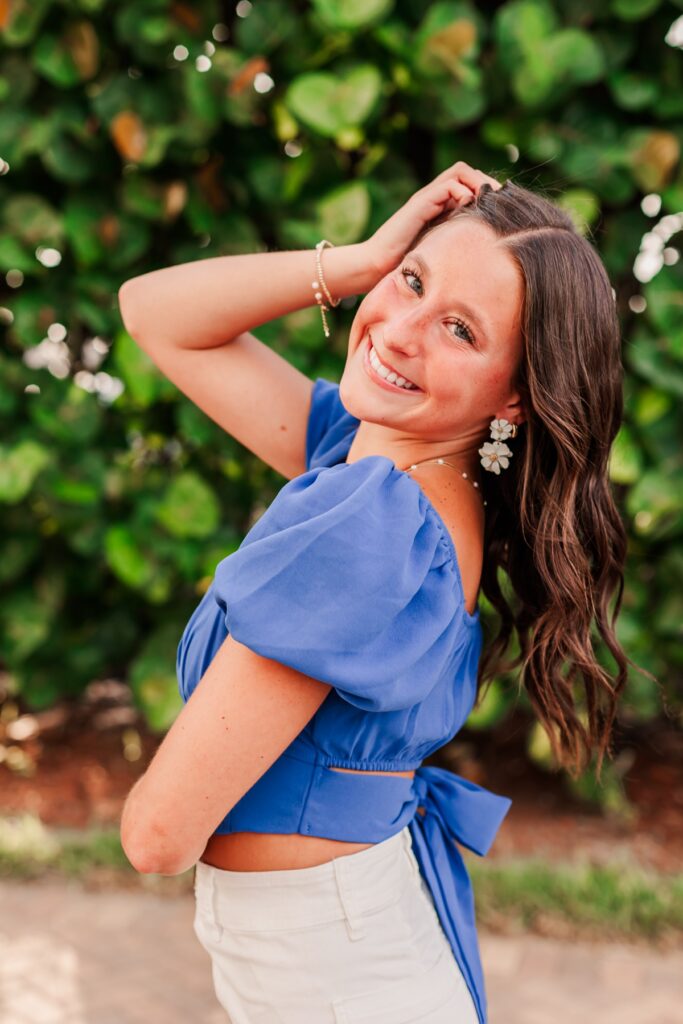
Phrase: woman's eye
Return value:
(407, 272)
(468, 334)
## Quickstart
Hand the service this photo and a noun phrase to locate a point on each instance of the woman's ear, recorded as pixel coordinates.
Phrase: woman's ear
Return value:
(513, 411)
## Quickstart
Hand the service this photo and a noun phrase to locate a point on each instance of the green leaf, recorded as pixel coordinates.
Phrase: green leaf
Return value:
(653, 154)
(575, 57)
(24, 21)
(656, 501)
(74, 492)
(153, 678)
(582, 205)
(633, 91)
(15, 256)
(344, 213)
(670, 609)
(492, 710)
(67, 161)
(567, 58)
(19, 467)
(649, 357)
(266, 177)
(328, 103)
(84, 217)
(538, 747)
(25, 623)
(447, 38)
(446, 109)
(533, 80)
(33, 220)
(270, 24)
(395, 36)
(144, 382)
(520, 27)
(634, 10)
(67, 413)
(664, 295)
(650, 406)
(127, 558)
(54, 61)
(18, 552)
(195, 426)
(609, 793)
(189, 507)
(625, 464)
(352, 14)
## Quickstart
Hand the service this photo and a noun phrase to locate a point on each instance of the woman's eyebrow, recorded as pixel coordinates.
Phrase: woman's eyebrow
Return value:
(467, 310)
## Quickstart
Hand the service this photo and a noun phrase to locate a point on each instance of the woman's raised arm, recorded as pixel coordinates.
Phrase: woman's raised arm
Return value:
(206, 303)
(194, 321)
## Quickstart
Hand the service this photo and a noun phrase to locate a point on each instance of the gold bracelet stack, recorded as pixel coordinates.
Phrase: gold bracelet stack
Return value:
(320, 283)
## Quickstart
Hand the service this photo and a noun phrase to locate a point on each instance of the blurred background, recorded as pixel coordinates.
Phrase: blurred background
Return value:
(138, 135)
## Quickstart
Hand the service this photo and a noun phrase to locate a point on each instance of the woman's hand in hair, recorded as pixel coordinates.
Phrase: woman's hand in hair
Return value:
(453, 188)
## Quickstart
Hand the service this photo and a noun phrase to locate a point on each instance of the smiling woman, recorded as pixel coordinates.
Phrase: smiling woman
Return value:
(341, 644)
(464, 376)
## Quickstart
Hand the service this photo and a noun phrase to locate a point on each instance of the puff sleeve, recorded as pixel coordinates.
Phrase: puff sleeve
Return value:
(347, 578)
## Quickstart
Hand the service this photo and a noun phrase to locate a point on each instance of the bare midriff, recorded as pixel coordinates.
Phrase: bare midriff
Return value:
(267, 851)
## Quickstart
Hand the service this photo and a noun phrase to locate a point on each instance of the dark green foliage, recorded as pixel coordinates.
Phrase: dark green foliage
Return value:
(127, 153)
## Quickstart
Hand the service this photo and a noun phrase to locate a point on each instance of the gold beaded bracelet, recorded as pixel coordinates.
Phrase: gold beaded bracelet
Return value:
(320, 283)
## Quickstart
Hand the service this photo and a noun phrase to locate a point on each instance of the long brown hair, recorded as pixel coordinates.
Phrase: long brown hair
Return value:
(552, 523)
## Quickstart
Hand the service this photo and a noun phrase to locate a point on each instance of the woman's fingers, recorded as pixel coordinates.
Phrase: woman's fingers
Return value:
(469, 176)
(441, 196)
(454, 188)
(461, 194)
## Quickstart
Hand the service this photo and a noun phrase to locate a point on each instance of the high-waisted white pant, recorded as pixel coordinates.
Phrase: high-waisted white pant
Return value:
(356, 940)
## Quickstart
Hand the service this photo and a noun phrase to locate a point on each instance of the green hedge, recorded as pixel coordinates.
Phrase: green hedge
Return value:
(137, 135)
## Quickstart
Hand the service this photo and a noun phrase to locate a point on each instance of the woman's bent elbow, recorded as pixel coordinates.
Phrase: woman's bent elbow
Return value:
(144, 858)
(129, 308)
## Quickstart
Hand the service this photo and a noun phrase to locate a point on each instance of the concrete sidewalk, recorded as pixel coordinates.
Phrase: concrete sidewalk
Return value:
(69, 956)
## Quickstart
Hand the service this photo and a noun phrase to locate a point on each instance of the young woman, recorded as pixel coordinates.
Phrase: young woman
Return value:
(341, 644)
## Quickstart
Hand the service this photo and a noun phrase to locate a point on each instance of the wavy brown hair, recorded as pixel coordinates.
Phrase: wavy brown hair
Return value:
(552, 522)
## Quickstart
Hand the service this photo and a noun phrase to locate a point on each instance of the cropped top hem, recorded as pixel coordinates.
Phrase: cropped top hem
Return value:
(373, 766)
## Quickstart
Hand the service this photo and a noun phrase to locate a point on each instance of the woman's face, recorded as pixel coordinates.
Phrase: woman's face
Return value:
(448, 319)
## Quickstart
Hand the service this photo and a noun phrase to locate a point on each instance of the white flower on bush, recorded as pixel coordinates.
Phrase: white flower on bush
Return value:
(494, 455)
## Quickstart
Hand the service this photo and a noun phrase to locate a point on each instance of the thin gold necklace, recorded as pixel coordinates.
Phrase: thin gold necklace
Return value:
(444, 462)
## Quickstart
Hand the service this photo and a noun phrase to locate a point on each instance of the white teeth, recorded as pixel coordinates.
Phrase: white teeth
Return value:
(390, 375)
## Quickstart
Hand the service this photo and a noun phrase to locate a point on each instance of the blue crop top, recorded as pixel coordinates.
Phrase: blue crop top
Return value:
(350, 576)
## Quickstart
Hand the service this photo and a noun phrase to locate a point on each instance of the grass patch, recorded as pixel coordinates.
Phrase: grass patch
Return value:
(92, 857)
(610, 902)
(582, 901)
(28, 849)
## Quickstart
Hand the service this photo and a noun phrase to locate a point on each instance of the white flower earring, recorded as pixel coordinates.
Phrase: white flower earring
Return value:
(496, 453)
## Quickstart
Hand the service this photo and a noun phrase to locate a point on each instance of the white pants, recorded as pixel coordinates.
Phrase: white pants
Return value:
(356, 940)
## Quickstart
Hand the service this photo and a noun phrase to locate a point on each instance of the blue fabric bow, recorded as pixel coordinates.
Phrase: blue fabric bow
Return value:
(455, 808)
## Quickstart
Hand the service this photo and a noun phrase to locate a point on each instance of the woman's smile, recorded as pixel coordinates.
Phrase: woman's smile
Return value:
(377, 377)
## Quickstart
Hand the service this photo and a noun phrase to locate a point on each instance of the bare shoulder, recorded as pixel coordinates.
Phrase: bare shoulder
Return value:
(461, 508)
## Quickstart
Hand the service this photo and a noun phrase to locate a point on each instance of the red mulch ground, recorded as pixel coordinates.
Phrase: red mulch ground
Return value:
(74, 765)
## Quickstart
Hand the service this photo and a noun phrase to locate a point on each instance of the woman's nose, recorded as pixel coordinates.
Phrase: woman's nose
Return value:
(402, 337)
(405, 329)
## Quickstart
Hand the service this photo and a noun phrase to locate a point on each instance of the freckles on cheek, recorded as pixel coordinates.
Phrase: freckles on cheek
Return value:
(494, 382)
